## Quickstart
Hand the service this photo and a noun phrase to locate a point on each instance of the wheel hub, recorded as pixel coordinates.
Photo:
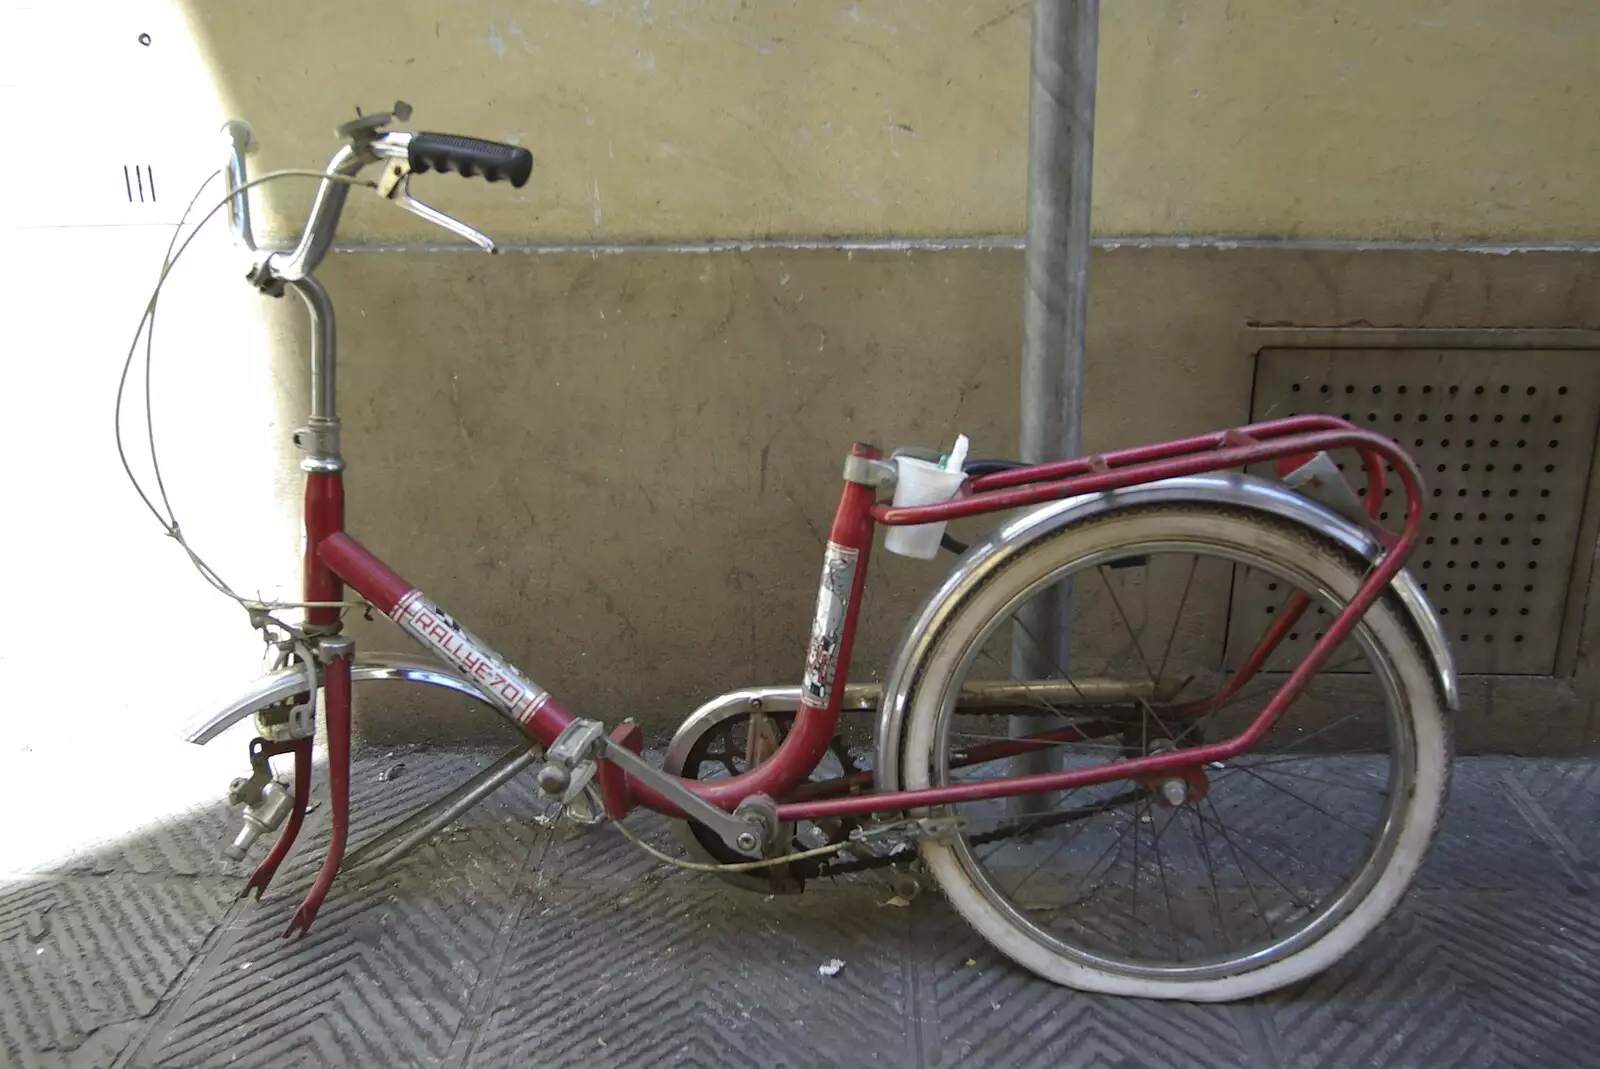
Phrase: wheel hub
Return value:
(1173, 789)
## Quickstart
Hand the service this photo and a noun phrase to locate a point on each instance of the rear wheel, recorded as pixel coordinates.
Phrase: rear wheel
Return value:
(1224, 882)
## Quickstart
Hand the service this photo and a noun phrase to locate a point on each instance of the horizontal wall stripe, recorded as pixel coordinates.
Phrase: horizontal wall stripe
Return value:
(983, 243)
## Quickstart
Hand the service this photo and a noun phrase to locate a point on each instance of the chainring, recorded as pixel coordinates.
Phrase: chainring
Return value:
(726, 748)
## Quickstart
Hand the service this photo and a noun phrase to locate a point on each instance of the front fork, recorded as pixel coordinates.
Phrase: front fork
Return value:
(336, 653)
(331, 656)
(340, 649)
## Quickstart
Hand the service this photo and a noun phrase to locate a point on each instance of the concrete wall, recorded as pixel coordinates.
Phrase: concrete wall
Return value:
(624, 481)
(672, 120)
(616, 464)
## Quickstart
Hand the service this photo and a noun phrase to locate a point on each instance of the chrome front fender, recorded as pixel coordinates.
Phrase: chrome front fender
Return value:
(994, 552)
(286, 682)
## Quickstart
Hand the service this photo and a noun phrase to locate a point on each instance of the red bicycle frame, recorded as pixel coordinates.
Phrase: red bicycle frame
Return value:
(849, 544)
(334, 559)
(542, 718)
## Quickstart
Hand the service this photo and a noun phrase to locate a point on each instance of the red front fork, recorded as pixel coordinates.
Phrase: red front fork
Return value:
(336, 704)
(324, 516)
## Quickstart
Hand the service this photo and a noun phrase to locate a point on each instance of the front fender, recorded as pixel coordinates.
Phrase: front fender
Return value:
(994, 552)
(274, 687)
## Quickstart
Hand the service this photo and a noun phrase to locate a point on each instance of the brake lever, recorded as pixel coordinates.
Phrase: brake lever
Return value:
(395, 186)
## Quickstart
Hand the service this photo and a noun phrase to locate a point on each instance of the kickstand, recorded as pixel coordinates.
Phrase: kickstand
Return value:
(336, 699)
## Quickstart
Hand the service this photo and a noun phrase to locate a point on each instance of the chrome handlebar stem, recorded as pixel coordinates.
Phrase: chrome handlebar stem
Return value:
(319, 440)
(275, 271)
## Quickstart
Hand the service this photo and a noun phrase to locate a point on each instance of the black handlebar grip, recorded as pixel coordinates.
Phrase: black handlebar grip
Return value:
(470, 156)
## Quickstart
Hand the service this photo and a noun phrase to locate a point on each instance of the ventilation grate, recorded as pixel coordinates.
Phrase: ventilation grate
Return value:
(1505, 440)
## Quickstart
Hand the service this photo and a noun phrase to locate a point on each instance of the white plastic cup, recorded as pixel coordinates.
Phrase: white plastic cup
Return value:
(918, 482)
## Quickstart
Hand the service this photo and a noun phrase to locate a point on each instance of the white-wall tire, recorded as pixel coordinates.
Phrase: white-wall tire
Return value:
(1296, 552)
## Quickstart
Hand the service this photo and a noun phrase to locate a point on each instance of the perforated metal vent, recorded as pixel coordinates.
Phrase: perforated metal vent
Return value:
(1505, 441)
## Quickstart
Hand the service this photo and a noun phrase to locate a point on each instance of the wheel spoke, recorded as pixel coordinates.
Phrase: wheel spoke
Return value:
(1134, 909)
(1261, 768)
(1054, 854)
(1074, 900)
(1299, 798)
(1280, 757)
(1346, 718)
(1073, 743)
(1265, 871)
(1054, 661)
(1023, 824)
(1146, 709)
(1116, 844)
(1177, 616)
(1211, 877)
(1127, 626)
(1043, 703)
(1243, 872)
(1261, 685)
(1161, 869)
(1043, 821)
(1134, 822)
(1247, 835)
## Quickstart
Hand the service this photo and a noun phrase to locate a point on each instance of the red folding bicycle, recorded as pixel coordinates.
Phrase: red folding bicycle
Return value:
(1234, 784)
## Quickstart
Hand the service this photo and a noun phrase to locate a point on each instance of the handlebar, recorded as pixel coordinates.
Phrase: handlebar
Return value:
(241, 139)
(470, 156)
(417, 152)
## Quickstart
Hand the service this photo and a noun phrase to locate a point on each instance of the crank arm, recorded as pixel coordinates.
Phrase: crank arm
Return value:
(734, 831)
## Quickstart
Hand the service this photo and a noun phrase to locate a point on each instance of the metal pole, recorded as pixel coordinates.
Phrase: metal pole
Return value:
(1066, 37)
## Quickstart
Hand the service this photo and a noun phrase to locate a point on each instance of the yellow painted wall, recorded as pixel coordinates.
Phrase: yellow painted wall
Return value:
(502, 413)
(675, 119)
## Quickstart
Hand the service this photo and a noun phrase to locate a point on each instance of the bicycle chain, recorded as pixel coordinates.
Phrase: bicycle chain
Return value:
(1005, 831)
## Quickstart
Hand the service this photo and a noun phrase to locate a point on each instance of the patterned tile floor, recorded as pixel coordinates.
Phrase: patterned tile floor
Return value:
(501, 944)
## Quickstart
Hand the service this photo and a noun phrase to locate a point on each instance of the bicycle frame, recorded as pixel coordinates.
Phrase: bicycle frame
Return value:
(333, 557)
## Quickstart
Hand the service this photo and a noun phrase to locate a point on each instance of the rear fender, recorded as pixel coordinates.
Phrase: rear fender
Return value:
(995, 552)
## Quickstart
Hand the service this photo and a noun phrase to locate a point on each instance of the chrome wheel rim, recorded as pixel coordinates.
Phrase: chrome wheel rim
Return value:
(1206, 824)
